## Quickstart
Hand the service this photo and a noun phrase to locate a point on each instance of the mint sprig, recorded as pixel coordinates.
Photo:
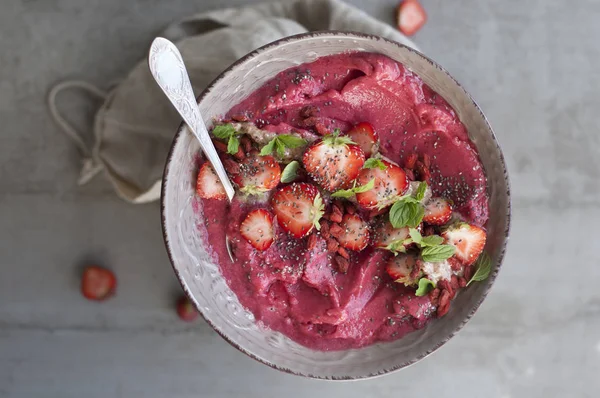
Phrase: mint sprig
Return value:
(484, 267)
(282, 142)
(348, 193)
(425, 285)
(229, 133)
(432, 249)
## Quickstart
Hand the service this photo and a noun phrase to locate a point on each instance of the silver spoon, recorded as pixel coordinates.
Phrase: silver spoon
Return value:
(168, 69)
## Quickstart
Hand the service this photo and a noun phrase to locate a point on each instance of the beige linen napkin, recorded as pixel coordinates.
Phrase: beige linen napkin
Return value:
(134, 127)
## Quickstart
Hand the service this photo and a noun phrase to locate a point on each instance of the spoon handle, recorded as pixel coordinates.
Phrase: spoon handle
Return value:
(168, 69)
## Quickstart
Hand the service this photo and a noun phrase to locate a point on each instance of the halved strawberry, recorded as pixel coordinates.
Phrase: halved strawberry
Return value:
(258, 174)
(186, 309)
(333, 161)
(298, 208)
(208, 185)
(384, 234)
(438, 211)
(410, 17)
(389, 184)
(469, 241)
(401, 269)
(365, 137)
(356, 233)
(97, 283)
(257, 229)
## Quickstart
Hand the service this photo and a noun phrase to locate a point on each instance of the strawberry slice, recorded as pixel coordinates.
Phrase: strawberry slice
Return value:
(356, 233)
(333, 161)
(257, 229)
(208, 185)
(469, 241)
(389, 184)
(97, 283)
(438, 211)
(186, 310)
(298, 208)
(402, 269)
(365, 137)
(410, 17)
(385, 234)
(258, 174)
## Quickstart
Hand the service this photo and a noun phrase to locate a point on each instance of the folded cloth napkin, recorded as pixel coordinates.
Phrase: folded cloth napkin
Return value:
(135, 125)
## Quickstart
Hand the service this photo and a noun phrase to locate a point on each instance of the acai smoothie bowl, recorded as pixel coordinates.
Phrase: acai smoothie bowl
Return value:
(371, 213)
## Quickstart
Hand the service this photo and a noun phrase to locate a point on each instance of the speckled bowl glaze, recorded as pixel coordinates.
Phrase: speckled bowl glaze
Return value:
(201, 278)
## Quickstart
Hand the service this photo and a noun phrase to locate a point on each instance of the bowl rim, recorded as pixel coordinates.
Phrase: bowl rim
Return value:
(492, 277)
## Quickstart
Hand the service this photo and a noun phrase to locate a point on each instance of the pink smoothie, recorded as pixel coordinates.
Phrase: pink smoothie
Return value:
(298, 292)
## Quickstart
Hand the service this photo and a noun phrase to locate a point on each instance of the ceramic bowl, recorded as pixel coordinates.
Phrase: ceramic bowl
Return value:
(201, 278)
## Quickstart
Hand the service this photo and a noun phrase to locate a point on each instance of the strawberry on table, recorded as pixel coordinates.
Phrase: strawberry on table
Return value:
(389, 185)
(298, 208)
(438, 211)
(208, 185)
(97, 283)
(257, 174)
(402, 269)
(257, 229)
(333, 161)
(410, 17)
(356, 233)
(365, 137)
(186, 309)
(469, 241)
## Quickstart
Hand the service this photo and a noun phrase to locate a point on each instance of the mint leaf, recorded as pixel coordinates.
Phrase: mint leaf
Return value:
(373, 163)
(224, 131)
(269, 148)
(406, 212)
(348, 193)
(484, 267)
(420, 193)
(279, 147)
(415, 235)
(291, 141)
(233, 145)
(435, 254)
(290, 172)
(432, 240)
(227, 132)
(425, 285)
(280, 143)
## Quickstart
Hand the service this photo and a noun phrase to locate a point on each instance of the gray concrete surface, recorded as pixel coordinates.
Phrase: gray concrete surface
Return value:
(533, 67)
